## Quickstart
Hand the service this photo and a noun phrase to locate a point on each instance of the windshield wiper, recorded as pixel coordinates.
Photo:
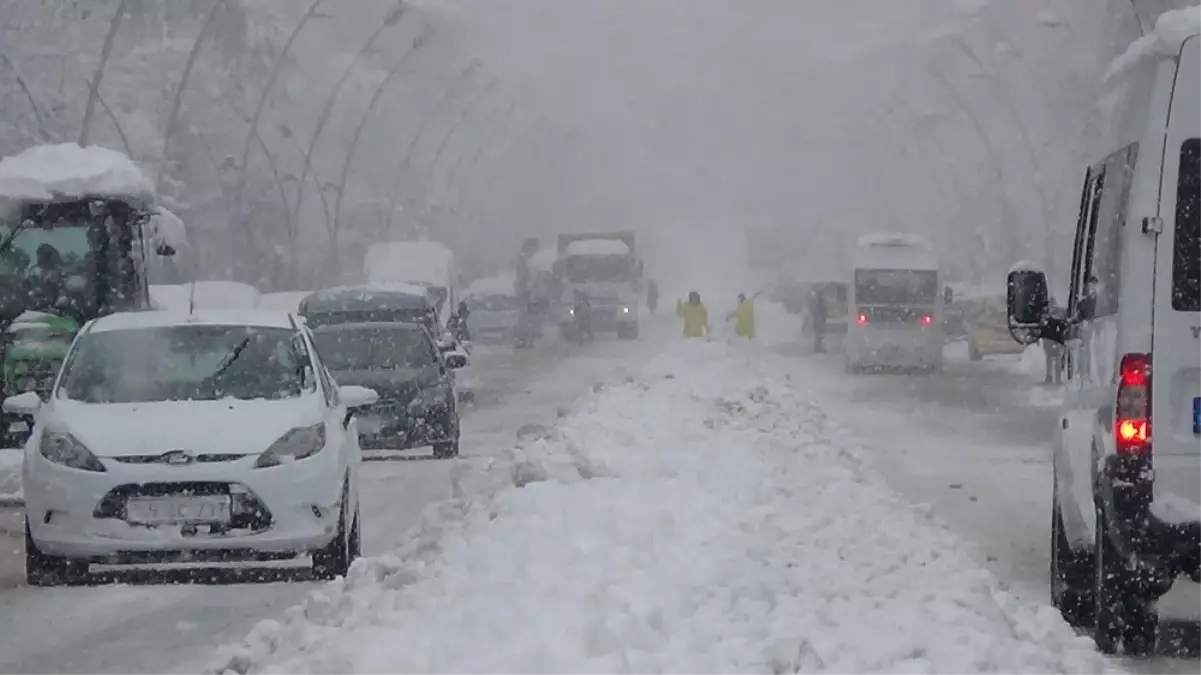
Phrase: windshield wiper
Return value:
(7, 243)
(230, 358)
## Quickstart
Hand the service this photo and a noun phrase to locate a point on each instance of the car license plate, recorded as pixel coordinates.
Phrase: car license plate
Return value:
(370, 425)
(159, 510)
(1197, 415)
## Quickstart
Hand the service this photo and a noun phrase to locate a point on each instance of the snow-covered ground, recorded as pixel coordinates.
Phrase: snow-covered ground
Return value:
(702, 515)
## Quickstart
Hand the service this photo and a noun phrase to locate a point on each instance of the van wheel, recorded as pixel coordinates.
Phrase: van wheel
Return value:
(1125, 618)
(1071, 585)
(51, 570)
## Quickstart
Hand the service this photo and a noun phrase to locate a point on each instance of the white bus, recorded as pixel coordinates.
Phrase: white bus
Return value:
(896, 304)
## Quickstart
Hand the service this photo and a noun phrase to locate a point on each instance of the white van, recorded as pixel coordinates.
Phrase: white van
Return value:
(1126, 506)
(896, 302)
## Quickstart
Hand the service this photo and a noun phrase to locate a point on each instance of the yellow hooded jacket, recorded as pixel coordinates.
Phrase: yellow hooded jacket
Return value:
(744, 319)
(696, 318)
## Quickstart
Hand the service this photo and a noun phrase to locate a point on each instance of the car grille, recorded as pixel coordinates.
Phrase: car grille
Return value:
(247, 513)
(161, 458)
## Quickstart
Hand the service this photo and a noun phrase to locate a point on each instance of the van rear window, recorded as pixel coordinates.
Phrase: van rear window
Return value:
(1186, 256)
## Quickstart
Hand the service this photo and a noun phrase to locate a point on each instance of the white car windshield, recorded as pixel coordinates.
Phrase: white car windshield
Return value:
(183, 363)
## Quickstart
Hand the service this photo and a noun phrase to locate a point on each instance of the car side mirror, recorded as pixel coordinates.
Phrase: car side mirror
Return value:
(456, 361)
(1027, 304)
(27, 403)
(354, 396)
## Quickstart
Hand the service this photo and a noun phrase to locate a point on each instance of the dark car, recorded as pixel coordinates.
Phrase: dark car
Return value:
(417, 405)
(367, 304)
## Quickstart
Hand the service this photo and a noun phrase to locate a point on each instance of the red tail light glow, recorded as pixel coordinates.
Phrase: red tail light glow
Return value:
(1132, 426)
(927, 319)
(861, 319)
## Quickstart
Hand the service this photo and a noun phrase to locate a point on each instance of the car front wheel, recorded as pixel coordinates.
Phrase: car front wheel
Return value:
(333, 560)
(51, 570)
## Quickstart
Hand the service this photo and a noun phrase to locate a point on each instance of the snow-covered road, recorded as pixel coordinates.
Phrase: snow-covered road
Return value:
(973, 444)
(705, 515)
(142, 626)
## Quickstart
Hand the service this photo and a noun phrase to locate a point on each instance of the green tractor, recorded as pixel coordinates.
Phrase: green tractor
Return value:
(78, 237)
(33, 348)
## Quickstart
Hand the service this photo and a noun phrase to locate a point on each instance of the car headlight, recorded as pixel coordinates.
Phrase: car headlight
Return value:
(61, 447)
(297, 444)
(571, 310)
(625, 310)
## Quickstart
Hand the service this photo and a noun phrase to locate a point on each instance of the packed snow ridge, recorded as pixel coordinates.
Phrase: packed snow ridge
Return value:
(702, 517)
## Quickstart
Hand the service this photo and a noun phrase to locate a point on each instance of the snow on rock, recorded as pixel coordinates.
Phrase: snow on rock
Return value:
(701, 517)
(597, 247)
(1171, 30)
(68, 170)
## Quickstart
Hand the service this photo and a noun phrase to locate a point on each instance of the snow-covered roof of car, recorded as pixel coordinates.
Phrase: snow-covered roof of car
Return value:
(501, 284)
(1171, 30)
(66, 170)
(597, 247)
(372, 296)
(221, 294)
(259, 318)
(285, 301)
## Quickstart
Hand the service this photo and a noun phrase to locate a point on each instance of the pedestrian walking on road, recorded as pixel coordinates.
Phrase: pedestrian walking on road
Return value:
(696, 317)
(744, 317)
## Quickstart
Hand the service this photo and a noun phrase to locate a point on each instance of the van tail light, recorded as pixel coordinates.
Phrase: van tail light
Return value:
(1132, 423)
(927, 319)
(861, 319)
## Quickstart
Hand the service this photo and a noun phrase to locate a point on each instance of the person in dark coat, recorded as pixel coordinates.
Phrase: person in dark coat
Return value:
(819, 312)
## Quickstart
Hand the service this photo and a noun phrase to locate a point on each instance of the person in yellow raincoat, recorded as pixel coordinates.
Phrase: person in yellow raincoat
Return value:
(696, 317)
(744, 317)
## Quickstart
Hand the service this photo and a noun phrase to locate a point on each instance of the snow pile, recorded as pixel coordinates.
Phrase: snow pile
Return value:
(168, 228)
(67, 170)
(1171, 30)
(702, 517)
(598, 247)
(502, 284)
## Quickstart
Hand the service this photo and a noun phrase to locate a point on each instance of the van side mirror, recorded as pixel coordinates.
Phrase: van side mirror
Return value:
(1027, 304)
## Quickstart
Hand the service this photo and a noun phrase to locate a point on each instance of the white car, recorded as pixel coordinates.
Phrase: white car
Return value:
(212, 436)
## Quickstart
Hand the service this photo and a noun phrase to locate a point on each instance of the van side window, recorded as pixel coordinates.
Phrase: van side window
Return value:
(1186, 251)
(1105, 263)
(1079, 304)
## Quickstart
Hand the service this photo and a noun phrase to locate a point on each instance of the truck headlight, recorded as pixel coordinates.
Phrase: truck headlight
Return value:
(297, 444)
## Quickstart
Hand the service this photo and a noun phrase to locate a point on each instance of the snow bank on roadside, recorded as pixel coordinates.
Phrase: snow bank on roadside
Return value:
(701, 517)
